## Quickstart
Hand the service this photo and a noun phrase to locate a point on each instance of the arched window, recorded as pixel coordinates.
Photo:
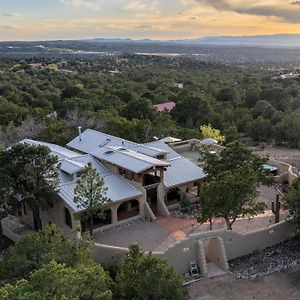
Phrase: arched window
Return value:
(68, 218)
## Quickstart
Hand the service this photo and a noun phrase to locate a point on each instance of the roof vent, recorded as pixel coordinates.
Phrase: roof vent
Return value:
(104, 143)
(122, 149)
(109, 152)
(79, 131)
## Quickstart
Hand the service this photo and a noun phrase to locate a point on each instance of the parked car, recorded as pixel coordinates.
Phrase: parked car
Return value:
(194, 271)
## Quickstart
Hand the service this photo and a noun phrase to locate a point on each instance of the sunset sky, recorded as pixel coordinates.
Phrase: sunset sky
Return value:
(158, 19)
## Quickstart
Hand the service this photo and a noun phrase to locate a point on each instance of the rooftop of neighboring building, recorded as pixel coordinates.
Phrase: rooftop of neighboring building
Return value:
(167, 106)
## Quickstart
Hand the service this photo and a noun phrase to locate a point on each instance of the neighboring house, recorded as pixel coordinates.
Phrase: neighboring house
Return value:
(165, 107)
(142, 180)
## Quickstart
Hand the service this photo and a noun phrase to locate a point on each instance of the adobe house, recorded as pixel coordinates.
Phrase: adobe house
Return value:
(142, 180)
(163, 175)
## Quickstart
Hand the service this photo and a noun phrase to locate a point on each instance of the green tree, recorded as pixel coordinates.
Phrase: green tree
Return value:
(38, 249)
(59, 281)
(233, 178)
(261, 129)
(143, 276)
(231, 134)
(292, 199)
(30, 173)
(288, 129)
(231, 195)
(234, 157)
(90, 196)
(10, 111)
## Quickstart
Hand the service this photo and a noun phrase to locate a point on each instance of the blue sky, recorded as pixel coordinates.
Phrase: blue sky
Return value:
(158, 19)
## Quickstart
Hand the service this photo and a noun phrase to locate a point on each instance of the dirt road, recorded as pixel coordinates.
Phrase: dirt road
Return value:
(283, 285)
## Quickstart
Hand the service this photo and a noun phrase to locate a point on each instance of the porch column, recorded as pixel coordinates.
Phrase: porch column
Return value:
(114, 215)
(162, 175)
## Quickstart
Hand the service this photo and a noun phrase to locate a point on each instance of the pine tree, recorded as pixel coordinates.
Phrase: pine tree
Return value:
(90, 196)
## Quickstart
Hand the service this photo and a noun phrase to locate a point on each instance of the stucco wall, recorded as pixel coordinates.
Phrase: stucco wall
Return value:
(182, 253)
(55, 215)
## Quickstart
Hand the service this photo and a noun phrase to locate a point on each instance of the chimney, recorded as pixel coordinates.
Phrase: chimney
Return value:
(79, 131)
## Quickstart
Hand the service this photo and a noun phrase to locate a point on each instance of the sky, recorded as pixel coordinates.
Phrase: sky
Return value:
(142, 19)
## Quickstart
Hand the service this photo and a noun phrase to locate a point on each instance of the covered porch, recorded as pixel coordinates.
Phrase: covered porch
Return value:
(177, 196)
(118, 213)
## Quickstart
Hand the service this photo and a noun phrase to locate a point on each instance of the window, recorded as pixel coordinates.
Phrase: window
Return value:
(24, 209)
(68, 218)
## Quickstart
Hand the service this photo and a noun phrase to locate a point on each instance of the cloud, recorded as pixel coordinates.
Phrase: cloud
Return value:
(265, 8)
(135, 5)
(295, 2)
(10, 26)
(11, 14)
(139, 6)
(90, 4)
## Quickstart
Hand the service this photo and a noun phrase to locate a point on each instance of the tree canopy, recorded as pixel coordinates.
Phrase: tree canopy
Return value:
(251, 99)
(58, 281)
(29, 174)
(145, 277)
(38, 249)
(233, 178)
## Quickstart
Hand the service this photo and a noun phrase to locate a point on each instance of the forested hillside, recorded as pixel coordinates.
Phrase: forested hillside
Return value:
(116, 95)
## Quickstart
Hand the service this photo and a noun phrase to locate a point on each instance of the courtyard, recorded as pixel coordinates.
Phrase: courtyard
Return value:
(162, 233)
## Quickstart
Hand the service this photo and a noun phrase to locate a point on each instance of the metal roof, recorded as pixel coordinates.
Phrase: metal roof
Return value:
(171, 153)
(181, 170)
(71, 167)
(118, 189)
(209, 141)
(92, 140)
(60, 152)
(125, 154)
(71, 162)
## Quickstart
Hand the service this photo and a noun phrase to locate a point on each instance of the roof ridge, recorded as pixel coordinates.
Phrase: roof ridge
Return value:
(139, 158)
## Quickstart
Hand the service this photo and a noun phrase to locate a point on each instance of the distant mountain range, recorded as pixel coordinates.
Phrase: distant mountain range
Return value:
(277, 40)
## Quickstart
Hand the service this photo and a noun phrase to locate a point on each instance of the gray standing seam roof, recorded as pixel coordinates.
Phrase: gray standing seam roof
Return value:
(118, 189)
(181, 170)
(118, 152)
